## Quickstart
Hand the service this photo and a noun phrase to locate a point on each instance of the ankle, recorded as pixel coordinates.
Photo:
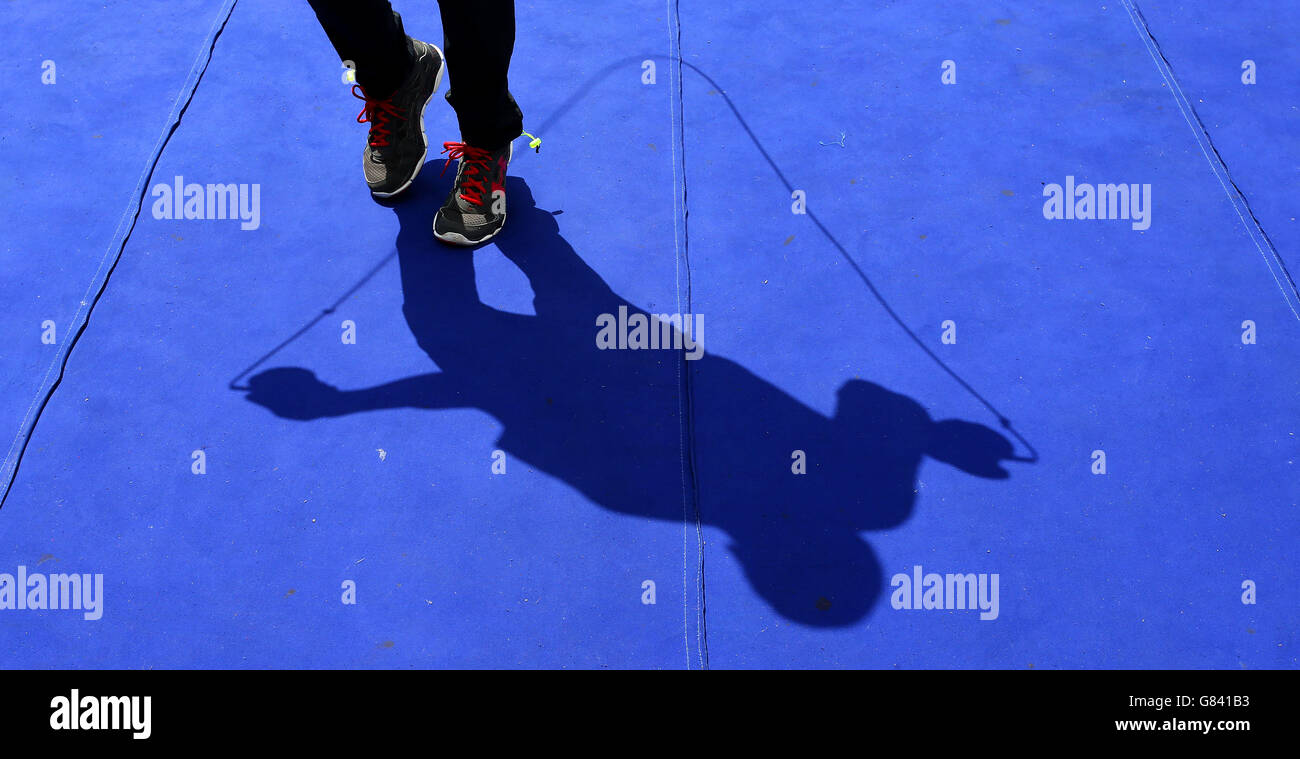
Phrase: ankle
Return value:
(487, 146)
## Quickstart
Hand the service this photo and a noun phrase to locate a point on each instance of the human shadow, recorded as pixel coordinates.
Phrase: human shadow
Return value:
(610, 422)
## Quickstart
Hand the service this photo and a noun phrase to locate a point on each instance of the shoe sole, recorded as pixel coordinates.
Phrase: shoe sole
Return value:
(456, 238)
(437, 84)
(459, 240)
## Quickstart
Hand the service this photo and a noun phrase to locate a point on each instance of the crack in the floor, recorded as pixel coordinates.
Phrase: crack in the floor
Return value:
(1276, 266)
(14, 457)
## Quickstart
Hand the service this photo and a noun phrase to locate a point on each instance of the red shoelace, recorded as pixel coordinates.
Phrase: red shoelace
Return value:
(478, 164)
(377, 112)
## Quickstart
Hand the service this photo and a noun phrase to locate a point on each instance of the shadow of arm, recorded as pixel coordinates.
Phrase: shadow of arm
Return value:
(296, 393)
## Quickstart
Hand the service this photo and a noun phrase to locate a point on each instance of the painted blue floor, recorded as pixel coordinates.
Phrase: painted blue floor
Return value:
(905, 364)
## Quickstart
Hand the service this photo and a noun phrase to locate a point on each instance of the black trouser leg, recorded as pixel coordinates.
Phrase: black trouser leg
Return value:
(368, 33)
(478, 39)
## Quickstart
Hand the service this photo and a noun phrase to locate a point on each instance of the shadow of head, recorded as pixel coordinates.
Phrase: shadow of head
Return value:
(818, 578)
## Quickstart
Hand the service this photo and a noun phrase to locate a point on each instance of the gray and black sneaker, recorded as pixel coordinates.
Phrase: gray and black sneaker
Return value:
(476, 208)
(397, 145)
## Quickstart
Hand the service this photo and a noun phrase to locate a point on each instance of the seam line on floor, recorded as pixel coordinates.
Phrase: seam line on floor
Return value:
(691, 524)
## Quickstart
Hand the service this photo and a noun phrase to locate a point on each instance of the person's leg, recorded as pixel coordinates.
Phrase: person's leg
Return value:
(370, 34)
(478, 40)
(396, 77)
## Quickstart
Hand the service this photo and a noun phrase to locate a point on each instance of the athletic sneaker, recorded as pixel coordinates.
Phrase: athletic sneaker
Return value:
(397, 145)
(476, 208)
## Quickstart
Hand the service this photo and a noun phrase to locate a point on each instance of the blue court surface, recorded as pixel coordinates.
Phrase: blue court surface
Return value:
(974, 344)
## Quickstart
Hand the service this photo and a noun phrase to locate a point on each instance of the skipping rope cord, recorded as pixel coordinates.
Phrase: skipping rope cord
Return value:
(1002, 420)
(585, 90)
